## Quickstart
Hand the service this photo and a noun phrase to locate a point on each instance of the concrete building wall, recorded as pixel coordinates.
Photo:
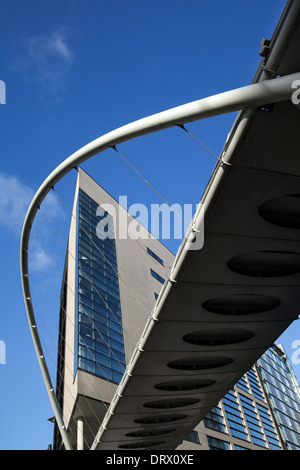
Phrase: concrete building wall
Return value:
(70, 382)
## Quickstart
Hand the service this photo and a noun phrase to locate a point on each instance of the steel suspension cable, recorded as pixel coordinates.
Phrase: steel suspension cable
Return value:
(54, 362)
(87, 278)
(60, 334)
(79, 303)
(204, 146)
(100, 251)
(149, 184)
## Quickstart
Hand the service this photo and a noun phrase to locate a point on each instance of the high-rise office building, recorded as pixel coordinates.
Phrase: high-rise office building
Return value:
(282, 390)
(111, 281)
(262, 411)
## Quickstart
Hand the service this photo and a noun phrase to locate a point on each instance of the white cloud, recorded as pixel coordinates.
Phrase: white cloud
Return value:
(57, 44)
(39, 260)
(50, 59)
(15, 199)
(46, 51)
(51, 206)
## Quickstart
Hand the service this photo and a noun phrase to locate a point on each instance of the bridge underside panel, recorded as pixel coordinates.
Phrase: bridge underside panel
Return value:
(230, 300)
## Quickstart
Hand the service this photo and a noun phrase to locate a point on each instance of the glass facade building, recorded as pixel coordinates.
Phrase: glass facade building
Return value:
(279, 382)
(233, 412)
(100, 346)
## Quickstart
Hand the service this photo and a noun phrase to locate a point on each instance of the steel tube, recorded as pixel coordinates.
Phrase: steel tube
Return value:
(80, 431)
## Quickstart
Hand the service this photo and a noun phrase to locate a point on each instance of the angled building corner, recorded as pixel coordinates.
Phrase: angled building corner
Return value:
(109, 291)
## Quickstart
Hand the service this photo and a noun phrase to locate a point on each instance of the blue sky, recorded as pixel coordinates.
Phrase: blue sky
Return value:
(75, 70)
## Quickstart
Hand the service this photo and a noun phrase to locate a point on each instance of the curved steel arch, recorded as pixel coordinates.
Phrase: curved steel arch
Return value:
(251, 96)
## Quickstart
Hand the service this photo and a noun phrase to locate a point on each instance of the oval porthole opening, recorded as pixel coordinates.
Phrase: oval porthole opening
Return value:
(266, 264)
(219, 337)
(140, 444)
(149, 433)
(200, 363)
(169, 404)
(283, 211)
(161, 419)
(184, 385)
(241, 304)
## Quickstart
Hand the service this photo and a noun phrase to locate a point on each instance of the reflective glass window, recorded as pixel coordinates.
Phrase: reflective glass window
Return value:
(100, 332)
